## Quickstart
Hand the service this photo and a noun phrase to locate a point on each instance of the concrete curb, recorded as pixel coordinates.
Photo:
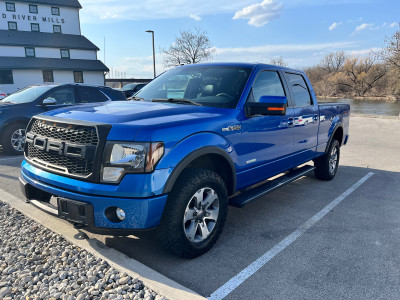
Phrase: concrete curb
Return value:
(151, 278)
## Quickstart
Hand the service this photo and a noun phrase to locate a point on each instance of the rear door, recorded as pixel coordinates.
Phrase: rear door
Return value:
(305, 113)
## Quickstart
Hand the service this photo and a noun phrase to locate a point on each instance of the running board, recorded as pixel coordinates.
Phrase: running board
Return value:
(252, 194)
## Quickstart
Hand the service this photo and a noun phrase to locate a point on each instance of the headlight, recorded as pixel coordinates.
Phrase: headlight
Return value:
(121, 158)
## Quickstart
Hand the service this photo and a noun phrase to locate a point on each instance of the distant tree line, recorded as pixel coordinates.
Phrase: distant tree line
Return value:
(371, 75)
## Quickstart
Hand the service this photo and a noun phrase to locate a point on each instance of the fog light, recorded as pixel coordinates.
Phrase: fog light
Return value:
(120, 213)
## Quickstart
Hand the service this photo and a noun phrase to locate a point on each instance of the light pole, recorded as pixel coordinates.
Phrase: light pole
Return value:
(154, 53)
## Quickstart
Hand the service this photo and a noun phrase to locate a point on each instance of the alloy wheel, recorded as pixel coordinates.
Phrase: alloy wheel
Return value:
(201, 215)
(18, 140)
(333, 159)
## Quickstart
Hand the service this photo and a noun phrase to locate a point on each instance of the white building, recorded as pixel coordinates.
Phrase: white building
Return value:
(41, 41)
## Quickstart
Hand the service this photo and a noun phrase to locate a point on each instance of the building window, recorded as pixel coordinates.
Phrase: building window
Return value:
(12, 26)
(64, 53)
(55, 11)
(48, 76)
(78, 77)
(33, 9)
(29, 52)
(57, 28)
(10, 6)
(6, 77)
(35, 27)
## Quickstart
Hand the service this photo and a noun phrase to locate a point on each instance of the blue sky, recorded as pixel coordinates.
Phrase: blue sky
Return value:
(300, 31)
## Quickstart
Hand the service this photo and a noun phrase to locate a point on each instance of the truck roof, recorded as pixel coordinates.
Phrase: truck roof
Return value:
(242, 64)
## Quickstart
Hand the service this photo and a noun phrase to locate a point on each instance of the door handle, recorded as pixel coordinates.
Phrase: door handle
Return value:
(315, 117)
(290, 122)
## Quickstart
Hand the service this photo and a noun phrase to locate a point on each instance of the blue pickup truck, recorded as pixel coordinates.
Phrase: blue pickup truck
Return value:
(197, 139)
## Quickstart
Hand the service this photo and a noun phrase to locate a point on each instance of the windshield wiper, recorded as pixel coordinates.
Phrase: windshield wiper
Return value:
(136, 98)
(176, 100)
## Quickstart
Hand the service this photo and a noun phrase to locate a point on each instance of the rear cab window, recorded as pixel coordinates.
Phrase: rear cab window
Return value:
(300, 91)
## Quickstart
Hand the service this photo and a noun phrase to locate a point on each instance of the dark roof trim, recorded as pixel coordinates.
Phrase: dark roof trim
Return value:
(62, 3)
(38, 63)
(45, 39)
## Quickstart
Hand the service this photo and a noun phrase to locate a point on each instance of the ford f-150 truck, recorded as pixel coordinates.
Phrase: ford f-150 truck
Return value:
(197, 139)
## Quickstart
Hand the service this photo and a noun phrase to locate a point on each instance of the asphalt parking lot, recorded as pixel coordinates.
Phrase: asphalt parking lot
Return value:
(351, 252)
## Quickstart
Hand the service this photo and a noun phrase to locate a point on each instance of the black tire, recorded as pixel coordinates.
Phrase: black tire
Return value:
(172, 232)
(326, 166)
(7, 134)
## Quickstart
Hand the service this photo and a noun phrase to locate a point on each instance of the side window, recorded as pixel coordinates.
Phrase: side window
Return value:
(301, 94)
(138, 87)
(267, 83)
(63, 96)
(88, 94)
(103, 97)
(114, 94)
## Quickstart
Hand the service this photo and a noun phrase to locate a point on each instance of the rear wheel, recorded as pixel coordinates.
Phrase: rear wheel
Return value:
(13, 139)
(195, 213)
(326, 166)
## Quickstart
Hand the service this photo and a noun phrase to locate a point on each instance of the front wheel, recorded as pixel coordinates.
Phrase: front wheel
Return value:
(326, 166)
(13, 139)
(194, 214)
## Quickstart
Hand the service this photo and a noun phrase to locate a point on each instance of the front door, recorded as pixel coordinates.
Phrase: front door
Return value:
(267, 140)
(64, 96)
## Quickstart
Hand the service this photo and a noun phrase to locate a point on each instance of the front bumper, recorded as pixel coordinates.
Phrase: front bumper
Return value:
(141, 213)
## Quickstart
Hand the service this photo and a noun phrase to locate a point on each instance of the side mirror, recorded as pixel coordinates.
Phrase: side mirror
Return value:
(268, 105)
(49, 101)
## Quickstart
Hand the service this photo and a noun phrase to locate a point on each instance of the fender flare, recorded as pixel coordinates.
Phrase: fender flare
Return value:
(337, 126)
(191, 157)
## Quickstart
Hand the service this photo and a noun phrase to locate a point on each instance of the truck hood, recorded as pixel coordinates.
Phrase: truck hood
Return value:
(127, 118)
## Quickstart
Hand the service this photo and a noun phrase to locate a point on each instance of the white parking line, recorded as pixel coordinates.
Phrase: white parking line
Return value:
(233, 283)
(11, 157)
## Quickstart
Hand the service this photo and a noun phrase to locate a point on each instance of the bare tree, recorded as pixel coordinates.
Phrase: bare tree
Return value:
(391, 53)
(322, 82)
(278, 62)
(189, 48)
(333, 62)
(361, 75)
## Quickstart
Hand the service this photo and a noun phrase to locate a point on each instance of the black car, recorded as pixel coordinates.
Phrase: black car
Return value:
(17, 109)
(131, 88)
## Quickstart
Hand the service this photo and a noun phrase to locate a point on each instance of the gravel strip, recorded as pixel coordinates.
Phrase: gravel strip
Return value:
(36, 263)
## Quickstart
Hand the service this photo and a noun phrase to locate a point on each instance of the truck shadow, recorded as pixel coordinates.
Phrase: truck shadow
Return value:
(251, 231)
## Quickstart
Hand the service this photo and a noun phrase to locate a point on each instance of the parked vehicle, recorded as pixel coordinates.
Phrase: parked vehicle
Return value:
(177, 162)
(303, 120)
(2, 95)
(131, 88)
(17, 109)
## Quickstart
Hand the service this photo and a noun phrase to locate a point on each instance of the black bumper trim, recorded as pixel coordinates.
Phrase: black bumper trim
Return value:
(70, 210)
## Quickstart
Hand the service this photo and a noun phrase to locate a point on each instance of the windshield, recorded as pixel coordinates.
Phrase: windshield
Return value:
(26, 95)
(216, 86)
